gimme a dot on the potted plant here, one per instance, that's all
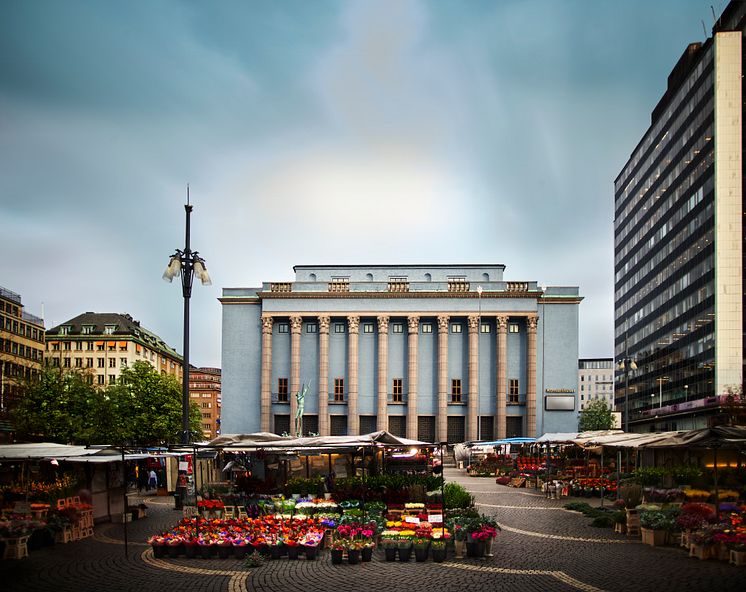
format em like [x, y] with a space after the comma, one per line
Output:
[390, 546]
[338, 547]
[654, 526]
[421, 548]
[438, 547]
[404, 549]
[240, 548]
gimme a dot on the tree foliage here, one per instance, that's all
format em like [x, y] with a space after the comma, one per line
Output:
[597, 415]
[144, 407]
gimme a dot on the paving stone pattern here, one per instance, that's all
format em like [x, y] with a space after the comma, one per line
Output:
[542, 547]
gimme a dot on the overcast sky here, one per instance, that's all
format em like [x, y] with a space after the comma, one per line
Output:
[319, 132]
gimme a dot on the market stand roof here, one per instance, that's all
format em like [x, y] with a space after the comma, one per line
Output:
[67, 452]
[267, 441]
[715, 437]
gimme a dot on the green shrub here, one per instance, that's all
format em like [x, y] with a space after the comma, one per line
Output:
[457, 497]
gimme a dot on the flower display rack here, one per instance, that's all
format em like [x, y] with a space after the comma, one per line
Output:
[16, 548]
[737, 557]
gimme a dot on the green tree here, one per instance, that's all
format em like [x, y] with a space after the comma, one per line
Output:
[597, 415]
[143, 408]
[53, 406]
[149, 404]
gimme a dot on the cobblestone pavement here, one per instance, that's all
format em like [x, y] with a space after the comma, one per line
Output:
[542, 547]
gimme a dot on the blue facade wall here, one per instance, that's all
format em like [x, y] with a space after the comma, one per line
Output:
[241, 365]
[557, 345]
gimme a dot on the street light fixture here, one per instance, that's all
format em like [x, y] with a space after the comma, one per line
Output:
[186, 263]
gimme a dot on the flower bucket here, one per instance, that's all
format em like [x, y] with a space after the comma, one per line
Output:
[204, 551]
[405, 553]
[275, 551]
[293, 552]
[175, 550]
[439, 555]
[159, 551]
[366, 554]
[390, 553]
[488, 547]
[475, 549]
[311, 551]
[353, 556]
[421, 553]
[190, 550]
[337, 556]
[224, 550]
[239, 551]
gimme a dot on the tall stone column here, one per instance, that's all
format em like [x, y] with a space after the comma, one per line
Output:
[531, 323]
[472, 404]
[443, 378]
[502, 378]
[412, 355]
[353, 419]
[266, 376]
[295, 327]
[324, 376]
[383, 373]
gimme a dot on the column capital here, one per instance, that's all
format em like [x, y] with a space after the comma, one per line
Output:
[324, 324]
[353, 324]
[443, 323]
[473, 323]
[267, 323]
[531, 323]
[502, 324]
[383, 324]
[295, 324]
[414, 324]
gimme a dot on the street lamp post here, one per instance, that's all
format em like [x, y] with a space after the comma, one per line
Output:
[479, 334]
[186, 263]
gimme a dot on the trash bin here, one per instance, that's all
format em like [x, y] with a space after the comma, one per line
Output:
[179, 498]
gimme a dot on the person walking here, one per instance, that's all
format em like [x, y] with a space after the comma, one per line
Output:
[152, 480]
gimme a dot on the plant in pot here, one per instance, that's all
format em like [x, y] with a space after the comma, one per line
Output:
[439, 550]
[338, 547]
[389, 543]
[421, 548]
[404, 545]
[654, 526]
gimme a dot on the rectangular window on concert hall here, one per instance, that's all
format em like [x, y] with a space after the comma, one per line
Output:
[339, 328]
[282, 390]
[455, 328]
[311, 328]
[397, 393]
[339, 389]
[456, 390]
[397, 328]
[513, 391]
[367, 327]
[513, 328]
[427, 327]
[282, 327]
